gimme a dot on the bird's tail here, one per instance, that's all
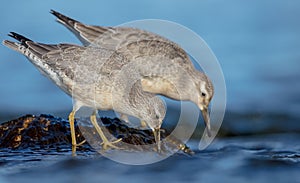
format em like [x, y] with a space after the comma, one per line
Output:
[66, 21]
[23, 42]
[87, 34]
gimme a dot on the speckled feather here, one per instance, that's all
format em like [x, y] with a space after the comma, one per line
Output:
[133, 43]
[78, 71]
[166, 70]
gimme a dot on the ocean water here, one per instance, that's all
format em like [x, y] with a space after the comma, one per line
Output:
[257, 44]
[269, 158]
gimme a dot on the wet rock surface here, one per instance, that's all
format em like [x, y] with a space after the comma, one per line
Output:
[49, 132]
[44, 131]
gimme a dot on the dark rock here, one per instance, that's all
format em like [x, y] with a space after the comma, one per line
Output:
[46, 131]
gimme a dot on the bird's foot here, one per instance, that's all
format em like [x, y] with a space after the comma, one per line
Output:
[74, 146]
[107, 144]
[81, 143]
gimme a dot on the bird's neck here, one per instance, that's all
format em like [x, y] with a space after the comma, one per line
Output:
[176, 86]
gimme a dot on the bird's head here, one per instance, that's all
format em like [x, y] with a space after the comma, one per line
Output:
[204, 94]
[156, 113]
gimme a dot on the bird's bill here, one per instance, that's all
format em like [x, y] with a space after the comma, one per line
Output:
[156, 133]
[206, 118]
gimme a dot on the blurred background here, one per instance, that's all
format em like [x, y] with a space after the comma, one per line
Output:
[256, 42]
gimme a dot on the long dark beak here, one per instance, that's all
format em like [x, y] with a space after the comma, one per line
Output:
[156, 133]
[206, 118]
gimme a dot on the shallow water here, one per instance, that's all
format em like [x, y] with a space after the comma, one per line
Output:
[269, 158]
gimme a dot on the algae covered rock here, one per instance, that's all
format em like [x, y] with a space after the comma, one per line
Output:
[46, 131]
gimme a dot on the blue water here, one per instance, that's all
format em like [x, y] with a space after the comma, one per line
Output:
[256, 42]
[260, 159]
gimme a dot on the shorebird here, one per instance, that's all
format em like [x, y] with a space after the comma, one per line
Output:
[77, 71]
[187, 84]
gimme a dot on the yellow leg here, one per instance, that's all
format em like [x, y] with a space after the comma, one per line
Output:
[106, 143]
[72, 128]
[73, 135]
[156, 133]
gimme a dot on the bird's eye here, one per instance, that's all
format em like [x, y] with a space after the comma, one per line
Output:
[203, 94]
[157, 117]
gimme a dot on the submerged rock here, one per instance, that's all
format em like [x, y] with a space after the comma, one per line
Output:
[46, 131]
